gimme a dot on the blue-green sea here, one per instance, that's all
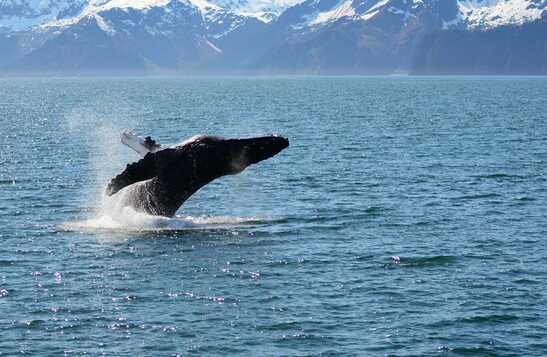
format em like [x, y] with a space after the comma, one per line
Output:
[408, 217]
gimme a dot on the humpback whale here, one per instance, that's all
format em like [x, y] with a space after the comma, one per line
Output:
[167, 176]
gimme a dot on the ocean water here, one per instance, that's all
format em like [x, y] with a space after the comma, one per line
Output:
[407, 218]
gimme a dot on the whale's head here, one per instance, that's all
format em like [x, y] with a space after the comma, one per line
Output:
[231, 156]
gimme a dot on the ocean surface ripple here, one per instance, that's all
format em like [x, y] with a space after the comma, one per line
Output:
[407, 218]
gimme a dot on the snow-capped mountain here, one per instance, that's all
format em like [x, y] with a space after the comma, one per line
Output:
[135, 35]
[340, 36]
[470, 14]
[156, 16]
[488, 14]
[353, 35]
[23, 14]
[379, 36]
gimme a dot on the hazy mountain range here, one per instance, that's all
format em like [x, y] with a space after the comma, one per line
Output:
[274, 36]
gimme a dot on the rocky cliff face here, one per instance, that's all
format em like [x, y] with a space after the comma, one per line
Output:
[503, 50]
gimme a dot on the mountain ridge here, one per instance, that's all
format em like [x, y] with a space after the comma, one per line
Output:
[312, 36]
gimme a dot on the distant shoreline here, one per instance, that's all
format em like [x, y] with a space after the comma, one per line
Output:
[248, 75]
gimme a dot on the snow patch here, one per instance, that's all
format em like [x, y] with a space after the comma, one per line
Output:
[204, 6]
[405, 14]
[265, 10]
[103, 5]
[215, 48]
[377, 6]
[103, 25]
[494, 13]
[345, 9]
[263, 16]
[369, 15]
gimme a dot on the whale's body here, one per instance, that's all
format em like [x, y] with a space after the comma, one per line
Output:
[165, 178]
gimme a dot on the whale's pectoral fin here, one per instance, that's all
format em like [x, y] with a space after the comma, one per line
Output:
[141, 145]
[146, 168]
[141, 170]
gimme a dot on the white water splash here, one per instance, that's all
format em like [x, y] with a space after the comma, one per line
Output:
[130, 220]
[101, 134]
[113, 215]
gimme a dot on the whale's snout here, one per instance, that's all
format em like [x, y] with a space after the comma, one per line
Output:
[258, 149]
[282, 142]
[250, 151]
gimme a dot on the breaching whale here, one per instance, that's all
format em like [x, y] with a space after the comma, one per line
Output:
[166, 177]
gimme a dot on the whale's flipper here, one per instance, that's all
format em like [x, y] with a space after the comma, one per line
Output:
[152, 165]
[141, 170]
[141, 145]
